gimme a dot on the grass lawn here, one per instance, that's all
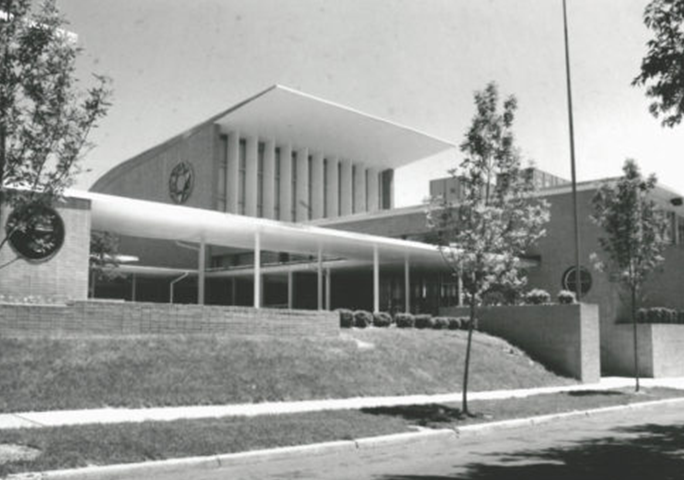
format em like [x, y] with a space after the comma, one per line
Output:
[70, 447]
[48, 374]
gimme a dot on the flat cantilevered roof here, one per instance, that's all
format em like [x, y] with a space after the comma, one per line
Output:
[305, 121]
[142, 218]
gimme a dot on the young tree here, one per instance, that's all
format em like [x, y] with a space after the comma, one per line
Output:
[497, 217]
[662, 69]
[104, 258]
[45, 118]
[634, 231]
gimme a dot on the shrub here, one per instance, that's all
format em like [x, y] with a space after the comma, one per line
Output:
[424, 320]
[566, 297]
[642, 315]
[362, 318]
[440, 323]
[659, 315]
[680, 317]
[537, 297]
[346, 317]
[455, 323]
[382, 319]
[494, 299]
[404, 320]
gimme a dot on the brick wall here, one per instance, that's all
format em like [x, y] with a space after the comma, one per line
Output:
[562, 337]
[65, 275]
[139, 318]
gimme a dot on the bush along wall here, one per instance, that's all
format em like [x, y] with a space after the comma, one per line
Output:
[659, 315]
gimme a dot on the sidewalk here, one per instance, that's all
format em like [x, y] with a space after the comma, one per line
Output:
[122, 415]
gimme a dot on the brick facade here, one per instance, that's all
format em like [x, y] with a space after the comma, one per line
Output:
[62, 277]
[88, 318]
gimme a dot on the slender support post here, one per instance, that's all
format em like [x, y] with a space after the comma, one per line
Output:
[407, 285]
[319, 272]
[578, 277]
[327, 288]
[257, 270]
[376, 280]
[201, 272]
[460, 288]
[290, 290]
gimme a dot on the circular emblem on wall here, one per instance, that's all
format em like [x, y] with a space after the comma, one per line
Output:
[181, 181]
[569, 280]
[35, 232]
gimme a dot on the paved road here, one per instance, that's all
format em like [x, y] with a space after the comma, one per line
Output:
[642, 444]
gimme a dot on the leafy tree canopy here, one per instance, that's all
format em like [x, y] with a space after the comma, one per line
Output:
[45, 117]
[662, 69]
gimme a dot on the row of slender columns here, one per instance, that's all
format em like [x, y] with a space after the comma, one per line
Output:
[349, 188]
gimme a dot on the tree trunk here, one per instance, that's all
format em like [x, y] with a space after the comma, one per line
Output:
[636, 344]
[466, 369]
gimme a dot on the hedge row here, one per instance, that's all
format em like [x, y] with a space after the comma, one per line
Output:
[363, 319]
[660, 315]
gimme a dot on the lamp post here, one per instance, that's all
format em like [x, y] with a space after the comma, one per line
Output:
[578, 276]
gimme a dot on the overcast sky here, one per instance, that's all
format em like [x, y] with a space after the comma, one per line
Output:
[415, 62]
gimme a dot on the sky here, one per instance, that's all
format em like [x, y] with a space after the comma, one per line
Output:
[415, 62]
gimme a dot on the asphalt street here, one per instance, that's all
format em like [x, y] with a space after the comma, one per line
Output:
[641, 444]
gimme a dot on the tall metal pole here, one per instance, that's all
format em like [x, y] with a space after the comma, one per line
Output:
[578, 277]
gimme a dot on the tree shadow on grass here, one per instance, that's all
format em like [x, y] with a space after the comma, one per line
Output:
[431, 415]
[652, 452]
[594, 393]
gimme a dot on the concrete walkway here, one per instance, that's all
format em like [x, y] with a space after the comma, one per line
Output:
[122, 415]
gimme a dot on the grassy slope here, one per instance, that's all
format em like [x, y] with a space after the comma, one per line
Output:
[45, 374]
[69, 447]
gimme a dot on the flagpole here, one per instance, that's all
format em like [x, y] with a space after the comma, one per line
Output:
[578, 277]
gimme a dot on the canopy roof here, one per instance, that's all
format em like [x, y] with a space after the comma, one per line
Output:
[141, 218]
[288, 115]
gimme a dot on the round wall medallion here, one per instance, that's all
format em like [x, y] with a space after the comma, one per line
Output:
[181, 181]
[35, 232]
[569, 280]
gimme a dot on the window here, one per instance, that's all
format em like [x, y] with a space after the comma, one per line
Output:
[221, 191]
[569, 280]
[276, 194]
[325, 187]
[293, 197]
[260, 179]
[242, 194]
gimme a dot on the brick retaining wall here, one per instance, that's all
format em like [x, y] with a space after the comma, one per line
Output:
[562, 337]
[138, 318]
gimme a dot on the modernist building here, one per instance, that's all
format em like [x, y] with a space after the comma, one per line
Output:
[286, 200]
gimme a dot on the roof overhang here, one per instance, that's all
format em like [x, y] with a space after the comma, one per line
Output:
[304, 121]
[141, 218]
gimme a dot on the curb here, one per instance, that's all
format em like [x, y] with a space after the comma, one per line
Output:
[217, 462]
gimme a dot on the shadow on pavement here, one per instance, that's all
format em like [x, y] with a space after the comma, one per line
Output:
[654, 452]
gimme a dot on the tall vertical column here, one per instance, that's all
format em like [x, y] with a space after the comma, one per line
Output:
[372, 180]
[319, 285]
[317, 186]
[285, 183]
[201, 271]
[376, 280]
[290, 290]
[268, 208]
[302, 207]
[328, 282]
[332, 188]
[346, 181]
[233, 172]
[359, 188]
[407, 285]
[257, 270]
[251, 177]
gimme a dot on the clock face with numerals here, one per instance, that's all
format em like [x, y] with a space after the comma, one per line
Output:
[181, 181]
[36, 232]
